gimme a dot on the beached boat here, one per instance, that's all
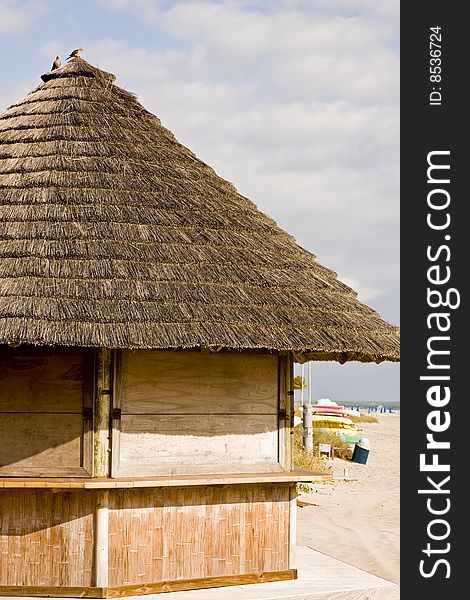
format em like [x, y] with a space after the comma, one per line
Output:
[333, 422]
[339, 418]
[334, 409]
[333, 419]
[337, 424]
[320, 409]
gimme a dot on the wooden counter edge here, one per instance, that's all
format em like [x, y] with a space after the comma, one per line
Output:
[173, 481]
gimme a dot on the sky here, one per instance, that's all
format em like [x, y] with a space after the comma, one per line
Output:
[296, 102]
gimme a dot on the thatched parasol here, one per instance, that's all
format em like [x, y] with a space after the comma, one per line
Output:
[113, 234]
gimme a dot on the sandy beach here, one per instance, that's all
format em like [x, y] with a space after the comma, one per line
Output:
[358, 520]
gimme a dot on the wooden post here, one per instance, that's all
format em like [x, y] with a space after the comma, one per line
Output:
[290, 408]
[101, 446]
[286, 411]
[101, 527]
[283, 431]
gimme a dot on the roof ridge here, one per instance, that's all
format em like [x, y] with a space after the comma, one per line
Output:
[78, 67]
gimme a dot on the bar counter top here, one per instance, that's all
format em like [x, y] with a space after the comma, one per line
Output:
[96, 483]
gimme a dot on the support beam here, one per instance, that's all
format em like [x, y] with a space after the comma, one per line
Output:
[101, 424]
[290, 407]
[286, 411]
[283, 430]
[101, 530]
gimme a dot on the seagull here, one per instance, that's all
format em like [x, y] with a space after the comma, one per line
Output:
[56, 64]
[76, 53]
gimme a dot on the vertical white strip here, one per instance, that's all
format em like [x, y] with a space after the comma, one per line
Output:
[309, 382]
[101, 539]
[292, 526]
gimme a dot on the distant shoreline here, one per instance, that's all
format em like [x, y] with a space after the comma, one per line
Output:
[364, 406]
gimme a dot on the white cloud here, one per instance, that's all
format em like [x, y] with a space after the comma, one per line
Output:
[383, 8]
[387, 8]
[221, 26]
[144, 9]
[16, 16]
[334, 56]
[137, 64]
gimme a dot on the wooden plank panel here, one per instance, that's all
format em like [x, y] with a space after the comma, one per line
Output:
[115, 414]
[41, 379]
[160, 382]
[186, 533]
[46, 539]
[38, 440]
[163, 444]
[88, 402]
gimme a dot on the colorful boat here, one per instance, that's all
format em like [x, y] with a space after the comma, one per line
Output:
[334, 409]
[337, 424]
[327, 411]
[333, 422]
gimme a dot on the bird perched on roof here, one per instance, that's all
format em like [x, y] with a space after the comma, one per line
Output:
[56, 64]
[76, 53]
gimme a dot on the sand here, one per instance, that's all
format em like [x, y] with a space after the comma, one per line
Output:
[358, 521]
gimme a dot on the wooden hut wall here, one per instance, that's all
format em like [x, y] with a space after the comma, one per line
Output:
[45, 412]
[191, 412]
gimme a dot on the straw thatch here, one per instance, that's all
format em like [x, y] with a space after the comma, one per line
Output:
[113, 234]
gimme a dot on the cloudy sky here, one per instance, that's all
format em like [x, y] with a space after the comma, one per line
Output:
[294, 101]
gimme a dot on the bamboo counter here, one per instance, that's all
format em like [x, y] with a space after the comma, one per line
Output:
[103, 538]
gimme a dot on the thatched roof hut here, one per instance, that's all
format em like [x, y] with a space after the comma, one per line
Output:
[113, 234]
[149, 320]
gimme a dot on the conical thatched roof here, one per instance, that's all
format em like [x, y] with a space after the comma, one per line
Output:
[114, 234]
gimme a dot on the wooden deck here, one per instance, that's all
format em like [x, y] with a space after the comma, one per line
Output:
[320, 577]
